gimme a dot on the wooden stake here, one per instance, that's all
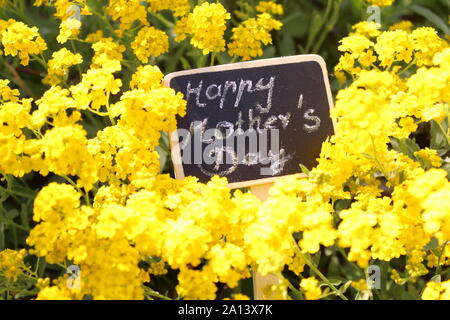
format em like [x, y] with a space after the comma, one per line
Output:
[260, 281]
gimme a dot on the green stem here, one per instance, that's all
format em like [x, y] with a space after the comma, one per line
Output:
[11, 6]
[75, 51]
[354, 266]
[86, 198]
[379, 164]
[154, 294]
[163, 20]
[439, 267]
[40, 60]
[296, 292]
[443, 131]
[233, 60]
[408, 67]
[311, 265]
[111, 118]
[12, 223]
[17, 193]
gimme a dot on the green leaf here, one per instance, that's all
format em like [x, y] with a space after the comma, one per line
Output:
[305, 170]
[314, 28]
[446, 167]
[11, 214]
[437, 278]
[287, 46]
[432, 17]
[294, 25]
[334, 282]
[342, 204]
[24, 217]
[438, 140]
[316, 258]
[411, 146]
[364, 295]
[397, 292]
[185, 63]
[2, 236]
[345, 286]
[162, 158]
[405, 146]
[368, 156]
[433, 244]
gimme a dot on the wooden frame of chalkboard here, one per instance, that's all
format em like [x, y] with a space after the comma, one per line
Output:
[174, 138]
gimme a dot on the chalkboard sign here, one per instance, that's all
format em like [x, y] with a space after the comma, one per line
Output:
[252, 121]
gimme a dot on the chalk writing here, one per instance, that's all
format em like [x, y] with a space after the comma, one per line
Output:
[250, 123]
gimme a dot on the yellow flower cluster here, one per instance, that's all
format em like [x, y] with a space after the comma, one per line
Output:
[206, 25]
[150, 42]
[179, 7]
[58, 66]
[11, 263]
[6, 93]
[68, 29]
[311, 288]
[270, 7]
[126, 12]
[351, 164]
[65, 9]
[20, 40]
[381, 3]
[437, 291]
[369, 46]
[248, 37]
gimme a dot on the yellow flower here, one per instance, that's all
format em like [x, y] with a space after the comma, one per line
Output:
[147, 78]
[396, 277]
[228, 262]
[426, 44]
[95, 36]
[53, 293]
[381, 3]
[11, 263]
[270, 7]
[311, 288]
[6, 93]
[196, 284]
[23, 41]
[404, 25]
[361, 285]
[206, 25]
[58, 66]
[250, 35]
[394, 46]
[178, 7]
[430, 156]
[126, 12]
[181, 29]
[150, 42]
[367, 29]
[437, 291]
[69, 28]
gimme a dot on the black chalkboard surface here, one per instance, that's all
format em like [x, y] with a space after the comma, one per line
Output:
[252, 121]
